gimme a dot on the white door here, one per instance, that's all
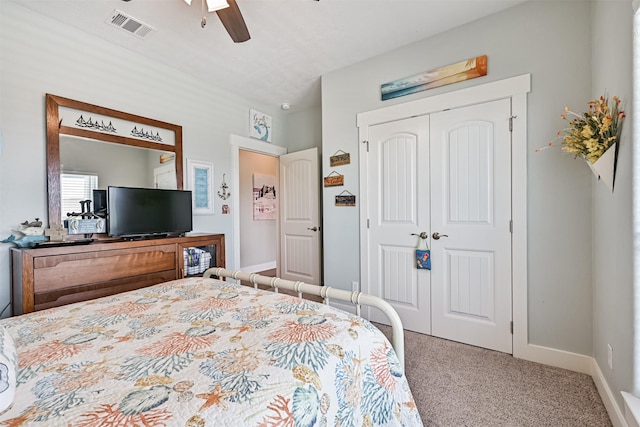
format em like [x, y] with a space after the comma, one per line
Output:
[446, 173]
[398, 210]
[471, 205]
[300, 234]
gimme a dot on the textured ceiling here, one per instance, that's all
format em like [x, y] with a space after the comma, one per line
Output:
[293, 42]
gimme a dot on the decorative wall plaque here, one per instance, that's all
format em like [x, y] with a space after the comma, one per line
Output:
[345, 199]
[333, 179]
[339, 159]
[454, 73]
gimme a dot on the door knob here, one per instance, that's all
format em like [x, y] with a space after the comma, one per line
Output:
[422, 235]
[313, 228]
[437, 236]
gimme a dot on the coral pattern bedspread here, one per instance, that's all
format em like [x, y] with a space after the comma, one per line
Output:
[203, 352]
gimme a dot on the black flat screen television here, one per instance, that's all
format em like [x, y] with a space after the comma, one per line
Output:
[148, 212]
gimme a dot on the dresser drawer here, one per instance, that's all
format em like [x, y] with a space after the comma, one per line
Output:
[68, 295]
[48, 277]
[57, 272]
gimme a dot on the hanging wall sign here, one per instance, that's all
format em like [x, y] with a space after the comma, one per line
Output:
[339, 158]
[345, 199]
[334, 179]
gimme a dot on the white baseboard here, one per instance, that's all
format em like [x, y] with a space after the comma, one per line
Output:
[631, 409]
[586, 365]
[258, 267]
[558, 358]
[607, 396]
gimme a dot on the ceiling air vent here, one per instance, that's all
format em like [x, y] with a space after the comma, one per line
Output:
[129, 24]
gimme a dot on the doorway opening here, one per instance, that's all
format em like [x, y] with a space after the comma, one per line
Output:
[298, 231]
[258, 213]
[258, 148]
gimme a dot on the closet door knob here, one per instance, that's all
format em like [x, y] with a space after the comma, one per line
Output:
[437, 236]
[313, 228]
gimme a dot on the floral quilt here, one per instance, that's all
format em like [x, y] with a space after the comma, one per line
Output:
[203, 352]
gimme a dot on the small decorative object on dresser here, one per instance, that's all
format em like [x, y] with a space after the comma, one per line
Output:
[29, 234]
[56, 233]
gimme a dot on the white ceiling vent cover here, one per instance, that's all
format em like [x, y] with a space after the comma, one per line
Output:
[129, 24]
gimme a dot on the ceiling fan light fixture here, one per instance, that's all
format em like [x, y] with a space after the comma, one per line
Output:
[213, 5]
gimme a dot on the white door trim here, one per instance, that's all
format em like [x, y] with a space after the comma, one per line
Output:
[243, 143]
[515, 88]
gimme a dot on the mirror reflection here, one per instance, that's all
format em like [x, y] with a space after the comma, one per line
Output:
[87, 164]
[86, 159]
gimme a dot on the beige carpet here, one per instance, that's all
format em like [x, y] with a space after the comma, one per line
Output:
[460, 385]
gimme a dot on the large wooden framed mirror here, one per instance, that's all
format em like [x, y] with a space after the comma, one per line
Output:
[91, 147]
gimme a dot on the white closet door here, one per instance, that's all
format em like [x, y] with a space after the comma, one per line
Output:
[471, 205]
[398, 206]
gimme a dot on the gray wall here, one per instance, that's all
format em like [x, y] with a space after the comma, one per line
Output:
[612, 24]
[39, 56]
[115, 164]
[258, 239]
[304, 129]
[550, 40]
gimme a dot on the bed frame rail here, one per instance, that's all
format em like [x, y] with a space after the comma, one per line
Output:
[327, 293]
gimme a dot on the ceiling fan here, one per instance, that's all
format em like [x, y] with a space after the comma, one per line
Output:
[230, 16]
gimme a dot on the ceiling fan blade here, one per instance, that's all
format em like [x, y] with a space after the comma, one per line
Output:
[233, 21]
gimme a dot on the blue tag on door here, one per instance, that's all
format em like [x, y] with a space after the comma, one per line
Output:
[423, 259]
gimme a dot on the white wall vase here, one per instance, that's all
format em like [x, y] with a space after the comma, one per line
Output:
[605, 167]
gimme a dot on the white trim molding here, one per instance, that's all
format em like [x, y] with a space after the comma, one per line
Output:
[259, 267]
[516, 88]
[608, 397]
[631, 409]
[243, 143]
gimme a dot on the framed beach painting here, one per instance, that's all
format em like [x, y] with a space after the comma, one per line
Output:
[449, 74]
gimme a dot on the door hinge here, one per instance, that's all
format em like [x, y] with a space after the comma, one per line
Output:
[511, 122]
[511, 226]
[512, 327]
[367, 222]
[366, 142]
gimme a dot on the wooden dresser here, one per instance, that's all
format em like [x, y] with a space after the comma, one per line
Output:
[49, 277]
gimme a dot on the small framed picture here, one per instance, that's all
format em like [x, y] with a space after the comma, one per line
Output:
[200, 182]
[260, 125]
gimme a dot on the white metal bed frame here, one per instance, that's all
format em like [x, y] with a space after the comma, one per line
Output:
[327, 293]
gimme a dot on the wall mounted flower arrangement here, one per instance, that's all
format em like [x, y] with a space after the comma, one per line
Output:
[594, 136]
